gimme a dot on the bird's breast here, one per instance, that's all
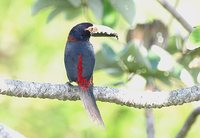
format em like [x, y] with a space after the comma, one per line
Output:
[79, 61]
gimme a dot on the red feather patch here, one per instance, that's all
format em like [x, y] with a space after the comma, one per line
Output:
[82, 82]
[71, 39]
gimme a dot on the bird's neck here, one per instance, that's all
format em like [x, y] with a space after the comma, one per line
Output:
[74, 38]
[71, 38]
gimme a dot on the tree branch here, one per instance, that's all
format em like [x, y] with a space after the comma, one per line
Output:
[178, 17]
[105, 94]
[189, 122]
[6, 132]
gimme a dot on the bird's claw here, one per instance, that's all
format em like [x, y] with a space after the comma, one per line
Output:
[68, 83]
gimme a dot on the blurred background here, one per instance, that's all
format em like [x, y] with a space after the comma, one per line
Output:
[152, 53]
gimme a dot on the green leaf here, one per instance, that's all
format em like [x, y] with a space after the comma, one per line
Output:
[135, 57]
[192, 54]
[58, 6]
[195, 36]
[126, 8]
[107, 60]
[166, 62]
[114, 71]
[110, 15]
[53, 14]
[128, 58]
[72, 13]
[75, 3]
[105, 57]
[175, 44]
[154, 60]
[110, 19]
[108, 52]
[41, 4]
[97, 8]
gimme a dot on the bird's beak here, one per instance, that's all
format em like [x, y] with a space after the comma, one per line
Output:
[100, 30]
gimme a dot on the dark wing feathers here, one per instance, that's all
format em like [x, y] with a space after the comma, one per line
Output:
[70, 63]
[88, 61]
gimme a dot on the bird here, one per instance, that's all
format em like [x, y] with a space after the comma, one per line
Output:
[79, 60]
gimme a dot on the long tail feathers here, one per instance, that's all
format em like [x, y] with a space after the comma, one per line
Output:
[88, 99]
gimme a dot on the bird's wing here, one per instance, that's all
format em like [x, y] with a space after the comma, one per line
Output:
[88, 62]
[71, 61]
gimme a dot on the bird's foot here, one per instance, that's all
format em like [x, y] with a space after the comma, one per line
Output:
[68, 83]
[71, 87]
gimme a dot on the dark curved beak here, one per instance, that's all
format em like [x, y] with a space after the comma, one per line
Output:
[101, 31]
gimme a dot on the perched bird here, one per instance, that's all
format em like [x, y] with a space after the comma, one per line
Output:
[79, 59]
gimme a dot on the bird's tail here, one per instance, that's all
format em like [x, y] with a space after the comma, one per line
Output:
[88, 99]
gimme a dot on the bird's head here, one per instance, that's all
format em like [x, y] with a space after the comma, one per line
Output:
[83, 31]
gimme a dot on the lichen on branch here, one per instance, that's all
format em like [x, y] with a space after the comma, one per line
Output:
[120, 96]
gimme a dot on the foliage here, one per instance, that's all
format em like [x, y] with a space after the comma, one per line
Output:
[102, 9]
[154, 63]
[195, 36]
